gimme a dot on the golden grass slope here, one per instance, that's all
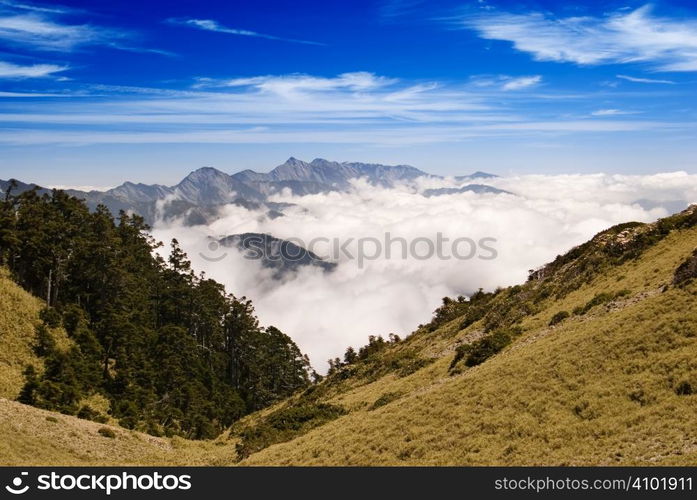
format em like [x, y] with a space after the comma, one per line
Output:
[30, 436]
[598, 389]
[19, 313]
[19, 317]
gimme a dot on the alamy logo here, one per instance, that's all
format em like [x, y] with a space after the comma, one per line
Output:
[17, 488]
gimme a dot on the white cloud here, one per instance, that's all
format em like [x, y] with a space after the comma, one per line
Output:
[40, 32]
[610, 112]
[9, 70]
[645, 80]
[505, 82]
[666, 44]
[34, 8]
[374, 135]
[522, 82]
[42, 28]
[357, 108]
[292, 84]
[325, 313]
[215, 26]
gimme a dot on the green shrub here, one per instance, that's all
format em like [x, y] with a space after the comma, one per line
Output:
[598, 299]
[88, 413]
[684, 388]
[44, 344]
[479, 351]
[601, 298]
[107, 433]
[50, 317]
[51, 419]
[559, 317]
[385, 399]
[686, 271]
[285, 424]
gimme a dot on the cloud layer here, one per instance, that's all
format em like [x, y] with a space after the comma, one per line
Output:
[666, 44]
[349, 108]
[325, 313]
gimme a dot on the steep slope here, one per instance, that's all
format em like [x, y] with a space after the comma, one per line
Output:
[16, 335]
[19, 318]
[31, 436]
[591, 362]
[615, 382]
[208, 186]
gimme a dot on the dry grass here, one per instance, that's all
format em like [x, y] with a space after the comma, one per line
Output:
[19, 316]
[31, 436]
[596, 389]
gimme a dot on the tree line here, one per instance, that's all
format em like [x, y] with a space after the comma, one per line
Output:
[171, 351]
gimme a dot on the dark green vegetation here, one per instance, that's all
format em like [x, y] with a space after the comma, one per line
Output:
[559, 317]
[687, 271]
[385, 399]
[283, 425]
[480, 350]
[170, 351]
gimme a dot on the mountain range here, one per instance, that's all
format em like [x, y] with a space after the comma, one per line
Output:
[198, 196]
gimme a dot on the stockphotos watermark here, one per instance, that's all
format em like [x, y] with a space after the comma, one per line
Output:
[361, 249]
[99, 483]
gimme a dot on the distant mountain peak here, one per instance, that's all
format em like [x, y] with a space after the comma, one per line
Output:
[206, 171]
[293, 161]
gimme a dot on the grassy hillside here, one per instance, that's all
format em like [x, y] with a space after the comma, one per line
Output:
[19, 318]
[593, 361]
[31, 436]
[611, 385]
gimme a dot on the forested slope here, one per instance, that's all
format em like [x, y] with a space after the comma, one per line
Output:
[150, 344]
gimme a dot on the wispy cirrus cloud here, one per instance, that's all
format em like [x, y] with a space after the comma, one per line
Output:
[645, 80]
[523, 82]
[45, 29]
[506, 82]
[298, 83]
[37, 31]
[35, 8]
[611, 112]
[16, 71]
[399, 8]
[664, 43]
[215, 26]
[349, 108]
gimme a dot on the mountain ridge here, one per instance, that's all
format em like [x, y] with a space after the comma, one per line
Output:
[207, 187]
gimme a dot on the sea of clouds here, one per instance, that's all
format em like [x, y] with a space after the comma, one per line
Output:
[324, 312]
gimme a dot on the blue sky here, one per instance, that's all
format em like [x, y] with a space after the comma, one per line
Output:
[98, 92]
